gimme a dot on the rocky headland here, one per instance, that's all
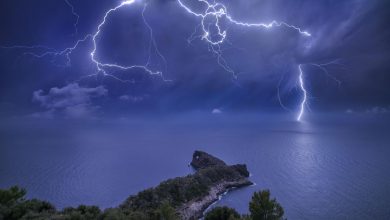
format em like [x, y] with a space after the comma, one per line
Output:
[180, 198]
[191, 195]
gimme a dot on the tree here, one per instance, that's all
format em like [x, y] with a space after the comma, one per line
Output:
[113, 214]
[263, 208]
[222, 213]
[12, 195]
[166, 212]
[82, 212]
[13, 205]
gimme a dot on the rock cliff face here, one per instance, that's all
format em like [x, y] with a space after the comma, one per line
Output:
[202, 159]
[192, 194]
[205, 163]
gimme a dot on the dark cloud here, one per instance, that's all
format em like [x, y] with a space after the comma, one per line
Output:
[353, 32]
[70, 101]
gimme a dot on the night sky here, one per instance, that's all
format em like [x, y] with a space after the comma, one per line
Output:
[352, 36]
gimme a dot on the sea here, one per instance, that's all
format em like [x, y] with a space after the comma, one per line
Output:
[327, 166]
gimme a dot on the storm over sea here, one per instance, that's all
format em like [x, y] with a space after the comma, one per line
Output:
[330, 166]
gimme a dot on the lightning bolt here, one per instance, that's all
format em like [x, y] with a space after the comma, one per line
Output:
[304, 92]
[278, 95]
[219, 11]
[27, 47]
[48, 51]
[75, 15]
[152, 42]
[216, 12]
[101, 67]
[323, 68]
[212, 32]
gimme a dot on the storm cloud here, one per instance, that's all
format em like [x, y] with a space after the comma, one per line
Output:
[353, 34]
[70, 101]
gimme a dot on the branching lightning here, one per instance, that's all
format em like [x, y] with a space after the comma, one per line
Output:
[64, 53]
[152, 42]
[77, 16]
[217, 12]
[212, 31]
[323, 68]
[102, 67]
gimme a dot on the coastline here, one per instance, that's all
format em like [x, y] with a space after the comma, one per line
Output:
[187, 197]
[196, 209]
[191, 195]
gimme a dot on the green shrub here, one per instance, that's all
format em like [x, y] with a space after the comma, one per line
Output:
[263, 208]
[222, 213]
[166, 212]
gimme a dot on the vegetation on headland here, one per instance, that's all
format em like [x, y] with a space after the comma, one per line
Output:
[182, 190]
[15, 206]
[179, 198]
[261, 207]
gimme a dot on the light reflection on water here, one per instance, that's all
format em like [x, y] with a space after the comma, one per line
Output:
[319, 169]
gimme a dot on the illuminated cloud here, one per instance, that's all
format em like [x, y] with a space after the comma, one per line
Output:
[264, 55]
[217, 111]
[71, 100]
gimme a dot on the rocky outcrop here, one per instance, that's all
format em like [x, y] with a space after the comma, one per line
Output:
[179, 198]
[202, 160]
[191, 195]
[204, 163]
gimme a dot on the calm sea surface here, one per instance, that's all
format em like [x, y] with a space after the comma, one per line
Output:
[329, 167]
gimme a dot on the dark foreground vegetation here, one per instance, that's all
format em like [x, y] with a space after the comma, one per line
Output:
[179, 198]
[261, 207]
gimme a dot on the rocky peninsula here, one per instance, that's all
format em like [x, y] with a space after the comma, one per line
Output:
[191, 195]
[179, 198]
